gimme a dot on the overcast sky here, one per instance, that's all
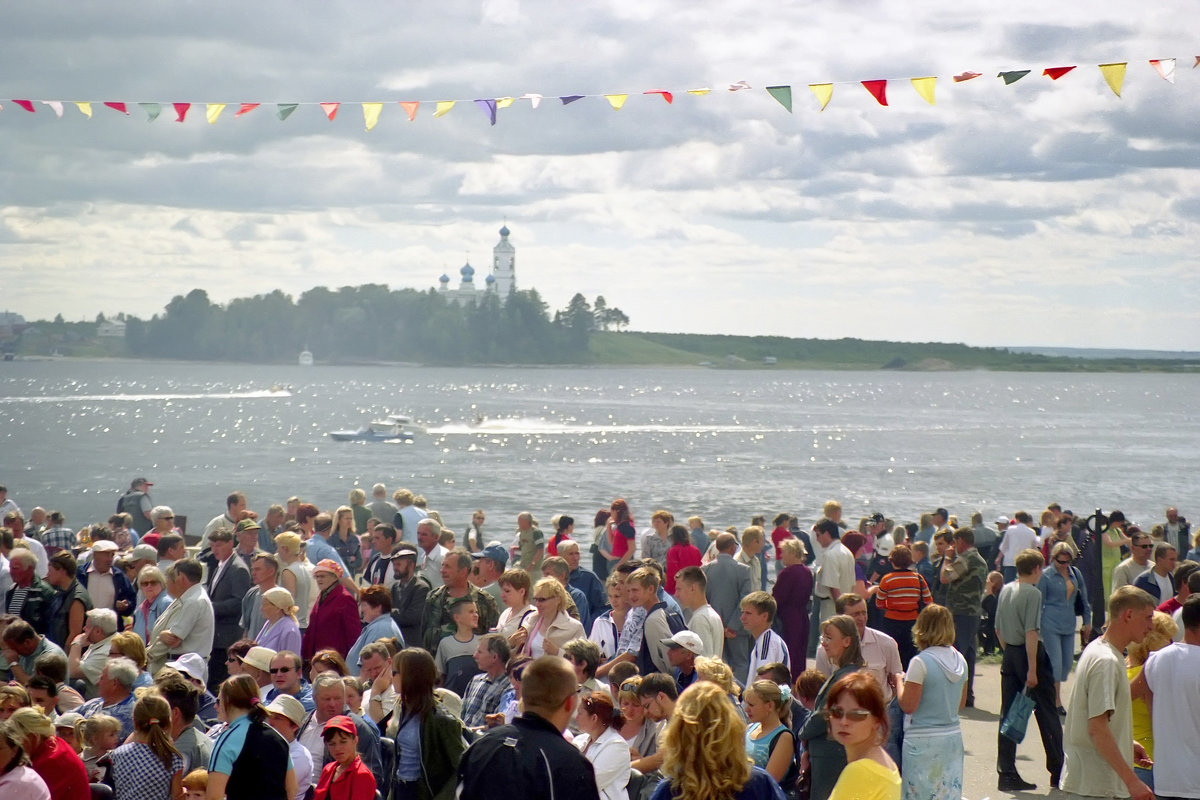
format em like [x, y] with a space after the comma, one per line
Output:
[1041, 213]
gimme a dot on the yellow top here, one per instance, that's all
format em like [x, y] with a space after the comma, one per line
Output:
[867, 779]
[1143, 734]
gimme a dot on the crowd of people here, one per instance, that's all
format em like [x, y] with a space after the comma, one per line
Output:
[373, 651]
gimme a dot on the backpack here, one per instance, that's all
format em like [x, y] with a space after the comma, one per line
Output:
[674, 622]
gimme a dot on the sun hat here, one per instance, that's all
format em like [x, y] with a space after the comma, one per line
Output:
[287, 706]
[191, 664]
[259, 658]
[330, 566]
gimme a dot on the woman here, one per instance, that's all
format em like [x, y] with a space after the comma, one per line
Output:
[249, 760]
[854, 542]
[128, 644]
[682, 553]
[52, 758]
[550, 627]
[334, 621]
[375, 610]
[639, 731]
[1161, 634]
[327, 661]
[770, 742]
[1117, 535]
[514, 593]
[280, 630]
[18, 780]
[12, 697]
[345, 539]
[1059, 587]
[563, 529]
[164, 520]
[714, 670]
[858, 717]
[793, 591]
[600, 742]
[148, 767]
[704, 752]
[824, 756]
[362, 514]
[934, 692]
[294, 574]
[155, 600]
[900, 596]
[780, 533]
[606, 630]
[1062, 533]
[621, 533]
[601, 545]
[429, 740]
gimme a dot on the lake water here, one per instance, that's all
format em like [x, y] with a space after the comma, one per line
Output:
[722, 444]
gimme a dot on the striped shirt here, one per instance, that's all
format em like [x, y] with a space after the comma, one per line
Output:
[901, 594]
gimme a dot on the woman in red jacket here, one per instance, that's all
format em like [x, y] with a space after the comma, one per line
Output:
[682, 553]
[52, 758]
[344, 777]
[334, 621]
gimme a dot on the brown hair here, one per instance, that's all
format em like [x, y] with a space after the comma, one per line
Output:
[378, 597]
[600, 705]
[901, 556]
[866, 692]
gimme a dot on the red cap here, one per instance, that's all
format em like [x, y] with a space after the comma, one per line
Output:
[340, 723]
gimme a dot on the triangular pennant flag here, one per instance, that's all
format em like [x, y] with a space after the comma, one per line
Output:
[489, 107]
[85, 108]
[823, 92]
[1196, 63]
[212, 111]
[1054, 73]
[371, 112]
[116, 105]
[670, 98]
[1114, 76]
[1013, 76]
[246, 108]
[924, 87]
[534, 99]
[1165, 67]
[878, 90]
[443, 107]
[739, 86]
[56, 105]
[25, 104]
[570, 98]
[181, 111]
[616, 100]
[285, 110]
[505, 102]
[699, 92]
[152, 110]
[330, 109]
[966, 76]
[783, 94]
[410, 107]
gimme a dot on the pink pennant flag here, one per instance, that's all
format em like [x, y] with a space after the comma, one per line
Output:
[25, 104]
[1054, 73]
[181, 110]
[410, 108]
[1165, 67]
[670, 98]
[246, 109]
[739, 86]
[966, 76]
[330, 110]
[116, 105]
[55, 105]
[878, 90]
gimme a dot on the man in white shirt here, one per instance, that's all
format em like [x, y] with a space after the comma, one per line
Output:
[1018, 536]
[235, 504]
[835, 576]
[188, 624]
[6, 504]
[432, 553]
[286, 715]
[1170, 684]
[89, 650]
[1140, 548]
[691, 586]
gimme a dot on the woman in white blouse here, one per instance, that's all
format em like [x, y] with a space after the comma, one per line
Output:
[603, 745]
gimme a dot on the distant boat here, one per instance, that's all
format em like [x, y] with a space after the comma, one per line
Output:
[306, 358]
[392, 428]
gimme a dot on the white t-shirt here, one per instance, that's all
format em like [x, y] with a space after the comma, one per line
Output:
[302, 763]
[1173, 674]
[1017, 537]
[837, 570]
[1101, 687]
[706, 623]
[1165, 590]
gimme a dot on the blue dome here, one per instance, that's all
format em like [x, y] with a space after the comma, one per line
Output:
[504, 231]
[467, 271]
[490, 279]
[444, 279]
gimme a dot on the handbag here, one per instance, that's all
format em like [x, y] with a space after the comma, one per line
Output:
[1078, 578]
[1017, 719]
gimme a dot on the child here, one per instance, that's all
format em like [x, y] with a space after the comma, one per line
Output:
[758, 612]
[99, 734]
[64, 728]
[149, 767]
[691, 585]
[456, 654]
[195, 785]
[987, 628]
[354, 694]
[344, 777]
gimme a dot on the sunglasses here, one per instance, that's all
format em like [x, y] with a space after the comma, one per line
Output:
[631, 685]
[1063, 560]
[855, 715]
[280, 670]
[542, 599]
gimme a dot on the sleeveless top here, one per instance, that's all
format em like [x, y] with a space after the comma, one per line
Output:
[939, 695]
[300, 596]
[760, 749]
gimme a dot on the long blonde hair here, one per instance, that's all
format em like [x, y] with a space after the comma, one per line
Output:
[704, 745]
[1160, 635]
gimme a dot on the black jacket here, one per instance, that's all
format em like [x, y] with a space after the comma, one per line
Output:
[528, 759]
[408, 607]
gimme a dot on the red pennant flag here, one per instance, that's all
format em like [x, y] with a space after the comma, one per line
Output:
[966, 76]
[410, 107]
[246, 109]
[665, 94]
[878, 90]
[330, 110]
[25, 104]
[1054, 73]
[117, 106]
[181, 110]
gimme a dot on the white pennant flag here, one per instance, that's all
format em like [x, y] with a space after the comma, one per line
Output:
[534, 99]
[1165, 67]
[54, 104]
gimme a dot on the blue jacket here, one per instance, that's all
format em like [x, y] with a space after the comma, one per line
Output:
[122, 588]
[1058, 614]
[1146, 582]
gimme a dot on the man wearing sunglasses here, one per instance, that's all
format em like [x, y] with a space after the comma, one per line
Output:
[1141, 547]
[287, 678]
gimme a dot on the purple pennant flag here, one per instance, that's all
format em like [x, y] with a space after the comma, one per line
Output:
[571, 98]
[489, 107]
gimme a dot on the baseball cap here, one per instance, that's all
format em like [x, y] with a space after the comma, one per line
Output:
[884, 543]
[287, 706]
[140, 482]
[404, 550]
[144, 552]
[1002, 520]
[876, 518]
[259, 658]
[687, 640]
[67, 720]
[340, 723]
[495, 552]
[190, 664]
[105, 546]
[247, 525]
[941, 512]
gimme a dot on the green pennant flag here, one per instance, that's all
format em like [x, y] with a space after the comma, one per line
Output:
[152, 110]
[1012, 77]
[783, 94]
[284, 110]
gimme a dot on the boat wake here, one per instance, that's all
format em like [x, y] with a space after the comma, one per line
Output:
[94, 398]
[534, 426]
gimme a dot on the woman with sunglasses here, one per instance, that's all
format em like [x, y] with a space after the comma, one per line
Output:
[550, 627]
[824, 755]
[858, 720]
[600, 742]
[1062, 588]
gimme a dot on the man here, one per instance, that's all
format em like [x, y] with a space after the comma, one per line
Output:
[1182, 590]
[378, 570]
[473, 535]
[557, 568]
[1159, 581]
[375, 660]
[194, 670]
[682, 649]
[530, 758]
[188, 624]
[89, 650]
[272, 524]
[246, 535]
[964, 573]
[642, 587]
[329, 694]
[64, 617]
[55, 535]
[115, 694]
[23, 645]
[727, 583]
[256, 662]
[531, 544]
[1178, 531]
[407, 515]
[1170, 684]
[6, 503]
[30, 597]
[657, 695]
[36, 525]
[228, 582]
[1018, 536]
[438, 622]
[943, 543]
[1140, 549]
[52, 664]
[940, 516]
[584, 580]
[380, 507]
[758, 612]
[184, 699]
[835, 575]
[136, 503]
[409, 592]
[286, 716]
[264, 574]
[1099, 734]
[171, 548]
[1026, 666]
[432, 553]
[491, 563]
[691, 586]
[235, 504]
[985, 538]
[287, 678]
[485, 689]
[108, 587]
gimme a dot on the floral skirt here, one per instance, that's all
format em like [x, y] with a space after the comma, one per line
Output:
[933, 764]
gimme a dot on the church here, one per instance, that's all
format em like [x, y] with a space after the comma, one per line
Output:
[500, 281]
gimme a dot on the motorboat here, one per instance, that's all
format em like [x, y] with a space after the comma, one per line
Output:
[392, 428]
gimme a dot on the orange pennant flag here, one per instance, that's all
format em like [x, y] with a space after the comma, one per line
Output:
[966, 76]
[246, 109]
[410, 108]
[878, 90]
[330, 109]
[823, 91]
[670, 98]
[924, 87]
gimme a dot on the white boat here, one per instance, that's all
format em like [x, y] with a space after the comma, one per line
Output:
[306, 358]
[392, 428]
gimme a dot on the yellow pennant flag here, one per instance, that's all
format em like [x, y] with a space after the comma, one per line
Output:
[85, 108]
[371, 113]
[823, 91]
[443, 107]
[616, 100]
[212, 111]
[699, 92]
[505, 102]
[924, 87]
[1114, 76]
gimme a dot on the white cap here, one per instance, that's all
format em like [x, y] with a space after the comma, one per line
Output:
[105, 546]
[191, 664]
[687, 640]
[288, 706]
[1002, 520]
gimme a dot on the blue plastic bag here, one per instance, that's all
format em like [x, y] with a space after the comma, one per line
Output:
[1017, 719]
